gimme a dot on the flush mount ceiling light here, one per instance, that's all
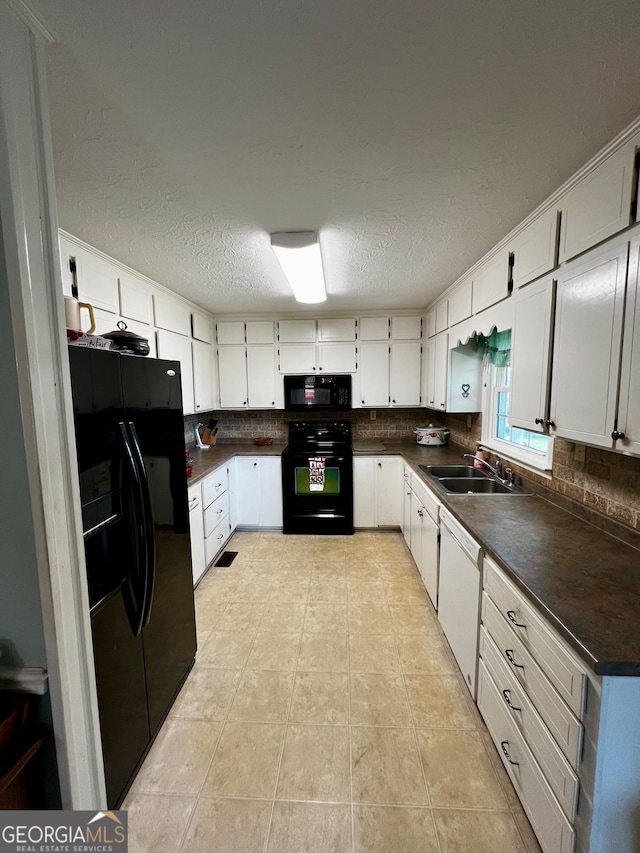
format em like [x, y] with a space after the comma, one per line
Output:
[299, 255]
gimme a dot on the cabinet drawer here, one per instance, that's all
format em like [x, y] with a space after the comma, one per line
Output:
[214, 513]
[214, 485]
[553, 831]
[216, 539]
[555, 767]
[546, 647]
[558, 718]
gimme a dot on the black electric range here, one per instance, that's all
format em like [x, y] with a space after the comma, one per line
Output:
[317, 478]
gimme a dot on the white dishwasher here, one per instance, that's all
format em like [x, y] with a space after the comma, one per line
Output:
[459, 594]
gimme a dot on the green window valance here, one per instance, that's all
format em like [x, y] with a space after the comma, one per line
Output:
[496, 348]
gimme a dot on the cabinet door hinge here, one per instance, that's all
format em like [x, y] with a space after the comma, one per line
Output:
[73, 269]
[512, 260]
[420, 332]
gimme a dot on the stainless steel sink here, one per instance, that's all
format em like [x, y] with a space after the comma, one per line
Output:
[473, 486]
[468, 480]
[453, 471]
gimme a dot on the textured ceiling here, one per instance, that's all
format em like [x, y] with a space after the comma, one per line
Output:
[412, 134]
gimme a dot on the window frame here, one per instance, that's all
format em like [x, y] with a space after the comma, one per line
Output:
[540, 463]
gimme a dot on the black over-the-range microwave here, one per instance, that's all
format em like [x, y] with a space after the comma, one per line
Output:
[317, 393]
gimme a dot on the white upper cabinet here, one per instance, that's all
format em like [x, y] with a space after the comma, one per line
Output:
[135, 299]
[230, 332]
[460, 302]
[586, 349]
[202, 327]
[97, 281]
[431, 324]
[336, 330]
[491, 282]
[232, 377]
[406, 328]
[437, 370]
[600, 205]
[531, 356]
[336, 358]
[629, 407]
[464, 380]
[297, 358]
[373, 374]
[261, 377]
[260, 332]
[296, 331]
[172, 314]
[404, 373]
[178, 348]
[442, 317]
[203, 387]
[373, 328]
[534, 249]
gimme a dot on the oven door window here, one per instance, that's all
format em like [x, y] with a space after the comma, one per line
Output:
[331, 482]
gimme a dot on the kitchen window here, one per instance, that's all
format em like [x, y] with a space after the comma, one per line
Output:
[531, 449]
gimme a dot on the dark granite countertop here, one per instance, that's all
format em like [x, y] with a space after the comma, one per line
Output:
[206, 460]
[584, 581]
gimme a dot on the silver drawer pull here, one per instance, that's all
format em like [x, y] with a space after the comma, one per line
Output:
[507, 699]
[503, 745]
[511, 615]
[217, 486]
[219, 512]
[510, 658]
[221, 536]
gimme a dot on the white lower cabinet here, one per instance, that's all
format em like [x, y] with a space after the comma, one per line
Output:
[196, 531]
[424, 533]
[216, 518]
[257, 492]
[531, 693]
[406, 505]
[377, 491]
[551, 826]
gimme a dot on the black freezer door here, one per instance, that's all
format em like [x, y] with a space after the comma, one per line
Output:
[153, 403]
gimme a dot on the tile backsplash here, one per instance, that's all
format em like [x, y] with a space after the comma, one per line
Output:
[239, 426]
[605, 481]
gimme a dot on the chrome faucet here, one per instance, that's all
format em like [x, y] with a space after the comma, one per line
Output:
[497, 471]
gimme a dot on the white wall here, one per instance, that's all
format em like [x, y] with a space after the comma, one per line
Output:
[21, 629]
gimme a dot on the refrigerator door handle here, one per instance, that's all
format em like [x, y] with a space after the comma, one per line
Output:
[149, 527]
[134, 603]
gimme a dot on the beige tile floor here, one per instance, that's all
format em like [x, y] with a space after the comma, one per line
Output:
[324, 714]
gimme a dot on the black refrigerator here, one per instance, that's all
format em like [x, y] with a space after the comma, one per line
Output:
[133, 488]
